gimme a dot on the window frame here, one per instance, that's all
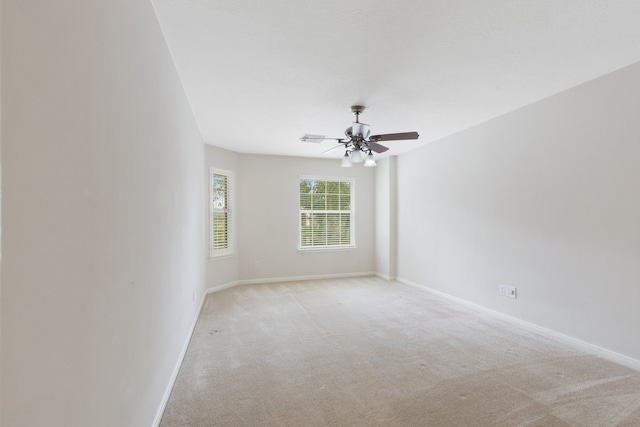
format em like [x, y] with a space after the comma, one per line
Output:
[352, 212]
[230, 250]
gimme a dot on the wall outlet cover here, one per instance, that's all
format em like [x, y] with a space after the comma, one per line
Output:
[509, 291]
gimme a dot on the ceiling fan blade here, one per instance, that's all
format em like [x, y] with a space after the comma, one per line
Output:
[395, 136]
[318, 138]
[312, 138]
[374, 146]
[333, 148]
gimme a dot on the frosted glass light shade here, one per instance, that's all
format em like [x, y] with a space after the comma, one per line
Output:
[346, 162]
[370, 161]
[356, 157]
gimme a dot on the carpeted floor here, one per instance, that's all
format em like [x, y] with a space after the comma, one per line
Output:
[367, 352]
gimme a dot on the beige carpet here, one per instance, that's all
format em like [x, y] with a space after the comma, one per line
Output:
[367, 352]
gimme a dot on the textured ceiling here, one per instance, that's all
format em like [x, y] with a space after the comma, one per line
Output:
[260, 74]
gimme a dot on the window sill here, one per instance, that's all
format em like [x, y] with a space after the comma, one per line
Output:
[222, 256]
[326, 249]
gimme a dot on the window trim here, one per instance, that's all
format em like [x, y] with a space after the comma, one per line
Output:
[230, 250]
[352, 211]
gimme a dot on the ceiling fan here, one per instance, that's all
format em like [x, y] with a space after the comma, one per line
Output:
[359, 140]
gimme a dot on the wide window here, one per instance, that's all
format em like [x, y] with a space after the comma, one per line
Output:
[221, 213]
[326, 213]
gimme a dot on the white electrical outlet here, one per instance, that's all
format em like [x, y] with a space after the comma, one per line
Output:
[509, 291]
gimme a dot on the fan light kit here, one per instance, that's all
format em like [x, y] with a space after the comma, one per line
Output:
[359, 144]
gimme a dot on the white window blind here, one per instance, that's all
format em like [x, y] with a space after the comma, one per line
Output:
[221, 213]
[326, 212]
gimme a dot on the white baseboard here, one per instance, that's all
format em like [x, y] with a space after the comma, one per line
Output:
[287, 279]
[183, 351]
[176, 369]
[549, 333]
[222, 287]
[384, 276]
[301, 278]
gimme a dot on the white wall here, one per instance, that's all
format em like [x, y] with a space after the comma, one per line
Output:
[544, 199]
[268, 203]
[267, 220]
[386, 218]
[102, 188]
[220, 271]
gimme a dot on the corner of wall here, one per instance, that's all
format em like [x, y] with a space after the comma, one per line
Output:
[386, 230]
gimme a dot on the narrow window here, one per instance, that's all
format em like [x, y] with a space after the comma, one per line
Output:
[326, 213]
[221, 213]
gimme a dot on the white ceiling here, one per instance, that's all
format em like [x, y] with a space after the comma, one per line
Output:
[260, 74]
